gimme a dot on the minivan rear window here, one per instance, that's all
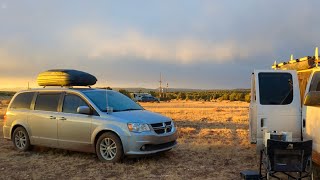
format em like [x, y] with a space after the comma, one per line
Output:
[22, 101]
[275, 88]
[47, 102]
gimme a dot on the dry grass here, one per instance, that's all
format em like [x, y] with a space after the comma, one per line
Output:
[4, 101]
[213, 144]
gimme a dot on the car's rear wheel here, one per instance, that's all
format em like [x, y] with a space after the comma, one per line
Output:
[20, 139]
[109, 148]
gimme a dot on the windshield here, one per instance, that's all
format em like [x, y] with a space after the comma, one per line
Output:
[116, 100]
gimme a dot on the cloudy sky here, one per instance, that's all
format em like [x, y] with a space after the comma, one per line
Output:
[195, 44]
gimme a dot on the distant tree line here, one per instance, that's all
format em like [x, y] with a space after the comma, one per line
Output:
[125, 92]
[232, 95]
[7, 93]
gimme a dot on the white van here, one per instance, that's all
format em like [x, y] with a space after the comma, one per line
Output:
[287, 99]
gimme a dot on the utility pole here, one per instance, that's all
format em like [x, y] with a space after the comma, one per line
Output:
[160, 87]
[167, 90]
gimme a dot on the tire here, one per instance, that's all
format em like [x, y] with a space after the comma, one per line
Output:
[20, 139]
[109, 148]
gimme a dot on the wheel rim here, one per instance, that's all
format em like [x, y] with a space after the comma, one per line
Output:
[108, 148]
[20, 139]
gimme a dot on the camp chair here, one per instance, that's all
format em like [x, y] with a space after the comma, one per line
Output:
[293, 159]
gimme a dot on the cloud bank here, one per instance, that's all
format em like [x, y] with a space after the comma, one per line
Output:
[106, 43]
[203, 44]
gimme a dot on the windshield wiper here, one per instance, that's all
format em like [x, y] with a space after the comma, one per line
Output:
[115, 110]
[131, 109]
[112, 110]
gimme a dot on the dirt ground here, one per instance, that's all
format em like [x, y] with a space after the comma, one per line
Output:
[213, 144]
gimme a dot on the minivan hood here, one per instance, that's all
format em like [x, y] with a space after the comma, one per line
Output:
[140, 116]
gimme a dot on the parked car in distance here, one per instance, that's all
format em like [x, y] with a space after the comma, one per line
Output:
[144, 97]
[149, 99]
[104, 122]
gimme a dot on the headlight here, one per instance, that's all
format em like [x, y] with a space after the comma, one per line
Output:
[138, 127]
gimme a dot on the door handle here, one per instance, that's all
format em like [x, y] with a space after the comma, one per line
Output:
[52, 117]
[262, 122]
[62, 118]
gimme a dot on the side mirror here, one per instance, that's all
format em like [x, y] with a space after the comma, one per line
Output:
[84, 110]
[312, 99]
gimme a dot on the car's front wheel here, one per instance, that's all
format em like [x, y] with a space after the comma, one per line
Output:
[20, 139]
[109, 148]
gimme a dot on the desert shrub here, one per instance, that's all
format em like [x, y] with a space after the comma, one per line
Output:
[189, 97]
[154, 94]
[181, 96]
[125, 92]
[233, 97]
[240, 97]
[225, 97]
[247, 97]
[171, 96]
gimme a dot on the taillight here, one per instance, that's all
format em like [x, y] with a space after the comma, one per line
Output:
[4, 118]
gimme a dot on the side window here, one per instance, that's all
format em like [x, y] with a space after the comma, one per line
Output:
[275, 88]
[315, 82]
[72, 102]
[22, 101]
[47, 102]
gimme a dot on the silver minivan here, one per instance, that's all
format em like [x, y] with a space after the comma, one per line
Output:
[105, 122]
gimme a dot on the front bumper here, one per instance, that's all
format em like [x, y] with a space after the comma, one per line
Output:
[6, 132]
[150, 143]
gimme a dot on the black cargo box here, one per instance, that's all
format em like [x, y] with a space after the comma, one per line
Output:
[65, 77]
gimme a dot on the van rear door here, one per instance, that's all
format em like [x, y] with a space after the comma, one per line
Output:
[278, 105]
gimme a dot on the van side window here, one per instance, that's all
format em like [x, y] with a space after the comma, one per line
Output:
[22, 101]
[71, 103]
[315, 82]
[275, 88]
[47, 102]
